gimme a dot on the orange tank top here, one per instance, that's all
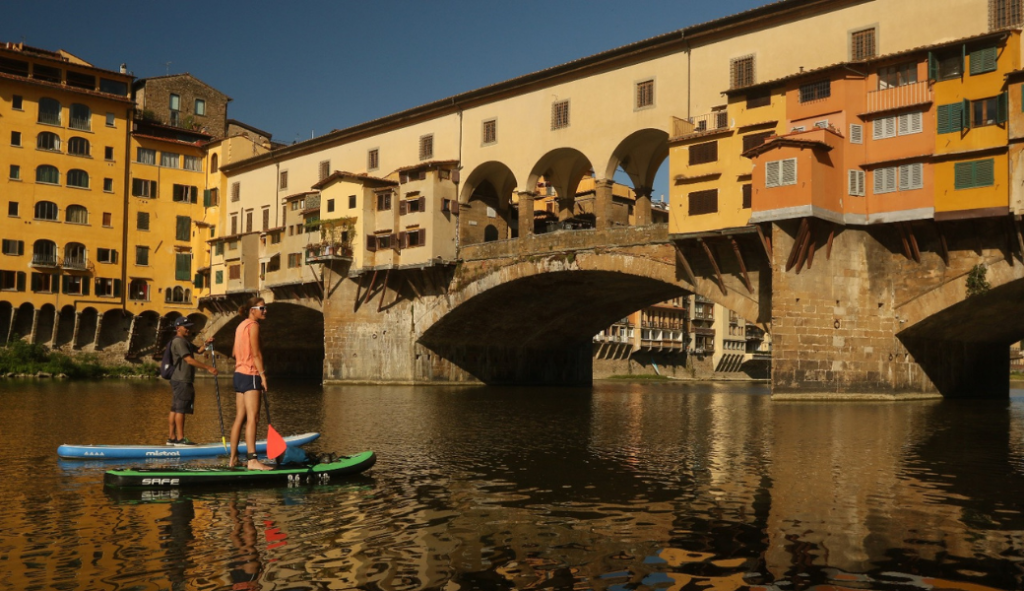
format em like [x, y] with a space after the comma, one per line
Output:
[244, 362]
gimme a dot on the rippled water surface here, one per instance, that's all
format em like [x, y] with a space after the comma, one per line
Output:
[708, 487]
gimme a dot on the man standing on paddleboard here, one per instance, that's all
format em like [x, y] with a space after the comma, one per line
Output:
[183, 391]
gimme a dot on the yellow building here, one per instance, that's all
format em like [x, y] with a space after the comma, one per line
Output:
[64, 152]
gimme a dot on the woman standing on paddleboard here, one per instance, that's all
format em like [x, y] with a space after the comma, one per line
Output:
[250, 380]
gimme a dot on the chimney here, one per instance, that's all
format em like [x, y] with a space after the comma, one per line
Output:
[124, 68]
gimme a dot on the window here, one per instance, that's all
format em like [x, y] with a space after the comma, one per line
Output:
[862, 44]
[413, 238]
[175, 102]
[219, 277]
[970, 175]
[910, 123]
[911, 176]
[200, 107]
[13, 247]
[779, 173]
[108, 287]
[169, 159]
[703, 202]
[144, 188]
[754, 140]
[351, 201]
[490, 132]
[108, 220]
[47, 174]
[899, 75]
[884, 128]
[294, 260]
[945, 66]
[282, 182]
[248, 221]
[182, 267]
[330, 205]
[44, 283]
[49, 111]
[950, 118]
[236, 192]
[142, 256]
[815, 91]
[145, 156]
[645, 94]
[110, 120]
[12, 208]
[76, 214]
[266, 217]
[12, 281]
[415, 205]
[1003, 14]
[192, 163]
[81, 117]
[983, 60]
[184, 194]
[78, 146]
[989, 111]
[234, 224]
[748, 193]
[560, 115]
[214, 198]
[48, 141]
[78, 178]
[384, 201]
[214, 163]
[325, 169]
[741, 72]
[702, 153]
[373, 159]
[855, 183]
[884, 180]
[108, 185]
[235, 272]
[79, 80]
[16, 139]
[108, 153]
[426, 147]
[856, 134]
[138, 290]
[759, 98]
[16, 102]
[15, 173]
[142, 220]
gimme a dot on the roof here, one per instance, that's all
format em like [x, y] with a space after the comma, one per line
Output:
[265, 134]
[57, 56]
[788, 141]
[428, 164]
[142, 82]
[295, 196]
[354, 176]
[195, 144]
[852, 65]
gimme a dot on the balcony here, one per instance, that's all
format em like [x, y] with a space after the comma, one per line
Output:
[79, 263]
[321, 252]
[709, 121]
[44, 260]
[897, 97]
[49, 117]
[83, 123]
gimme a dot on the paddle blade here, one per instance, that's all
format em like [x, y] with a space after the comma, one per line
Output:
[275, 443]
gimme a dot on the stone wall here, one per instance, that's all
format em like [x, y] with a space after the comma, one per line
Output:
[157, 100]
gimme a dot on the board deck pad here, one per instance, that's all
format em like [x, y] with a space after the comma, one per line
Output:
[143, 452]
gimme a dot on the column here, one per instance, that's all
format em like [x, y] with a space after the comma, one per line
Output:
[642, 208]
[603, 204]
[526, 213]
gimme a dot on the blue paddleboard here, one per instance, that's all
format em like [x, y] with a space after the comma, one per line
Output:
[142, 452]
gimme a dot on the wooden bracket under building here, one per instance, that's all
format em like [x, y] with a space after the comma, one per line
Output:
[743, 266]
[766, 241]
[714, 265]
[797, 242]
[910, 249]
[685, 264]
[369, 288]
[831, 237]
[384, 290]
[943, 247]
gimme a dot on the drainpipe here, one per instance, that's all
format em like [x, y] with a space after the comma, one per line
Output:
[689, 59]
[458, 217]
[127, 191]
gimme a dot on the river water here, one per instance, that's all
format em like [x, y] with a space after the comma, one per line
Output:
[620, 486]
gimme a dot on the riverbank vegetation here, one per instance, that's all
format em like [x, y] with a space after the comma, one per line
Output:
[23, 359]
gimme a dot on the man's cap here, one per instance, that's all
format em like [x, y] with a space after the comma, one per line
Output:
[183, 321]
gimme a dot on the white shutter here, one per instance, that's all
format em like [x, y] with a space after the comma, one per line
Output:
[856, 134]
[771, 171]
[904, 124]
[916, 175]
[789, 171]
[879, 181]
[878, 131]
[890, 179]
[823, 124]
[911, 123]
[904, 173]
[890, 127]
[856, 182]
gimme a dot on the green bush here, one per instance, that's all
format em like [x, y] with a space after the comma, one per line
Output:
[19, 357]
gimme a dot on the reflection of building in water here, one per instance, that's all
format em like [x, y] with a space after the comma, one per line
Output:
[686, 336]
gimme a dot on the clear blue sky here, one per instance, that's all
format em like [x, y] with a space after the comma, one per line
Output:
[296, 68]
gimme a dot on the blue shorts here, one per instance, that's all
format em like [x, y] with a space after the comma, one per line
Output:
[245, 382]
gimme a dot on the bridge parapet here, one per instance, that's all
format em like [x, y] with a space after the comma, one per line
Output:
[567, 240]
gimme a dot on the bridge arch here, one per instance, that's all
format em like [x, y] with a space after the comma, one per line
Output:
[486, 200]
[562, 169]
[640, 155]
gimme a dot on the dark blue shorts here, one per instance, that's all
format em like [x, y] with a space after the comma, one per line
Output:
[245, 382]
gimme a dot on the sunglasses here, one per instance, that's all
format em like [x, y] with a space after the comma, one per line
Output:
[260, 308]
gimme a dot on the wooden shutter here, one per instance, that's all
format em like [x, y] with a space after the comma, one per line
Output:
[747, 196]
[182, 266]
[772, 172]
[455, 206]
[403, 239]
[423, 204]
[21, 281]
[402, 208]
[371, 243]
[855, 182]
[702, 153]
[703, 202]
[65, 283]
[423, 236]
[963, 175]
[984, 60]
[206, 198]
[965, 114]
[1002, 108]
[933, 67]
[85, 286]
[755, 139]
[984, 173]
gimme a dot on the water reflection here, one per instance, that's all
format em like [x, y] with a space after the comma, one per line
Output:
[623, 486]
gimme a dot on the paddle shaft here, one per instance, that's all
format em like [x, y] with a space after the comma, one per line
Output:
[216, 387]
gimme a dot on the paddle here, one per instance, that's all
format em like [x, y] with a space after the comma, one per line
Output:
[216, 387]
[276, 445]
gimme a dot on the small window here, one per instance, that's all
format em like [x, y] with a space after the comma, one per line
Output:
[910, 123]
[330, 205]
[142, 220]
[16, 102]
[184, 193]
[236, 192]
[108, 185]
[219, 277]
[884, 180]
[856, 134]
[384, 201]
[971, 175]
[950, 118]
[351, 201]
[47, 174]
[815, 91]
[373, 159]
[779, 173]
[16, 139]
[855, 183]
[759, 98]
[741, 72]
[283, 180]
[426, 147]
[754, 140]
[183, 228]
[108, 152]
[748, 192]
[703, 153]
[325, 169]
[78, 178]
[946, 66]
[983, 60]
[193, 163]
[76, 214]
[911, 176]
[175, 102]
[862, 44]
[883, 128]
[110, 120]
[49, 111]
[235, 272]
[703, 202]
[145, 156]
[108, 219]
[169, 160]
[1003, 14]
[15, 174]
[490, 131]
[214, 163]
[12, 208]
[200, 107]
[78, 146]
[560, 115]
[899, 75]
[46, 210]
[989, 111]
[143, 188]
[48, 141]
[645, 94]
[81, 117]
[142, 255]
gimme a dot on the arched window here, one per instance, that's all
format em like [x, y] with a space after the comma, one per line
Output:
[49, 111]
[214, 167]
[46, 210]
[81, 117]
[47, 174]
[76, 214]
[78, 178]
[168, 296]
[188, 296]
[44, 253]
[48, 141]
[79, 146]
[74, 255]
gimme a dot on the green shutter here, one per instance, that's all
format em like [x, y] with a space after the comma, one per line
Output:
[65, 282]
[220, 277]
[193, 194]
[1003, 108]
[933, 67]
[963, 59]
[984, 173]
[206, 198]
[117, 288]
[21, 281]
[184, 225]
[963, 175]
[182, 266]
[951, 117]
[984, 60]
[198, 281]
[943, 118]
[965, 114]
[85, 287]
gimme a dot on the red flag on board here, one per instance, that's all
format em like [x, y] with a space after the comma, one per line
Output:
[275, 443]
